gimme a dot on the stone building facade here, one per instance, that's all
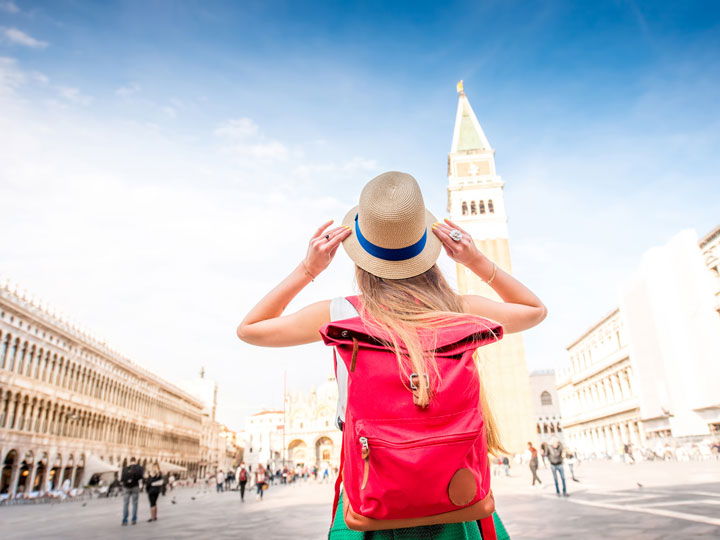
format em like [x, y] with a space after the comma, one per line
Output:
[598, 396]
[646, 374]
[303, 434]
[68, 403]
[546, 405]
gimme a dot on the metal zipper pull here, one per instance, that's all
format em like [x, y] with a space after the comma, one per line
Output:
[366, 458]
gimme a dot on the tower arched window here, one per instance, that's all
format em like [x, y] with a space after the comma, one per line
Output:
[545, 398]
[491, 206]
[481, 204]
[473, 209]
[464, 209]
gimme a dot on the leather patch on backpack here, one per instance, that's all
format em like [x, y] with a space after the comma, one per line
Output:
[462, 487]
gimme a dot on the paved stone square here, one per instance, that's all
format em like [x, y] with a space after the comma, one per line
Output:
[655, 500]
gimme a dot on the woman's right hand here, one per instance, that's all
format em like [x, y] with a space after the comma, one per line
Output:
[323, 246]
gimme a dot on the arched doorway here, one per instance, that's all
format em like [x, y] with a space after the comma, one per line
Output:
[54, 479]
[79, 471]
[323, 450]
[40, 472]
[67, 473]
[298, 452]
[26, 468]
[6, 476]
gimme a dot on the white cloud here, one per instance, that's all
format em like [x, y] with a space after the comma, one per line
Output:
[170, 112]
[74, 96]
[18, 37]
[9, 7]
[355, 165]
[245, 141]
[237, 128]
[359, 163]
[10, 75]
[127, 90]
[39, 77]
[266, 150]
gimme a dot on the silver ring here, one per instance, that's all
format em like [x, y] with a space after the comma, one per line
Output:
[456, 235]
[327, 237]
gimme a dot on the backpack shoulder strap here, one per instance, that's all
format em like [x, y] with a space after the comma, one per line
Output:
[355, 301]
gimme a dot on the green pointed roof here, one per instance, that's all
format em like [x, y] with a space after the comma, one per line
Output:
[469, 136]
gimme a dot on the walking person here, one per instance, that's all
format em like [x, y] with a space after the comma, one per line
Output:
[506, 465]
[555, 457]
[242, 476]
[260, 479]
[544, 448]
[154, 483]
[394, 242]
[130, 479]
[219, 479]
[534, 464]
[571, 458]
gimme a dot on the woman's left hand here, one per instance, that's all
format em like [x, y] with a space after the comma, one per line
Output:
[465, 251]
[323, 246]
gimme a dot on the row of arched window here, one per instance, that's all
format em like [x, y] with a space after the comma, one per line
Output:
[25, 413]
[549, 427]
[43, 364]
[612, 388]
[474, 210]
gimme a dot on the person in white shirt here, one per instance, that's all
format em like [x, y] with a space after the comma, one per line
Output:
[220, 479]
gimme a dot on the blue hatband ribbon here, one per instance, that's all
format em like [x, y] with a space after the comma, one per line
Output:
[389, 254]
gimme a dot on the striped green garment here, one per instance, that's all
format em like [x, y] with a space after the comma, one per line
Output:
[452, 531]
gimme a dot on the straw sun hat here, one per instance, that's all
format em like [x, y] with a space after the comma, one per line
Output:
[391, 228]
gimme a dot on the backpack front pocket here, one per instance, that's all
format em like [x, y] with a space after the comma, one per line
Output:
[405, 475]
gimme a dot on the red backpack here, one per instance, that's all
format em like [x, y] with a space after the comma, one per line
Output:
[404, 465]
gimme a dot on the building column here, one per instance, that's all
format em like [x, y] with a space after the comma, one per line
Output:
[617, 437]
[624, 384]
[610, 396]
[35, 414]
[10, 420]
[607, 438]
[15, 474]
[634, 435]
[31, 478]
[72, 475]
[60, 476]
[641, 433]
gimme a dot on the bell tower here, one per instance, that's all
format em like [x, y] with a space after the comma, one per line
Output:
[476, 203]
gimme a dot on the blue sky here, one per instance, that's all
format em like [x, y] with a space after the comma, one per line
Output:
[152, 141]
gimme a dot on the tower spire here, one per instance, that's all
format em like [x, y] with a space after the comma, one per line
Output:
[468, 135]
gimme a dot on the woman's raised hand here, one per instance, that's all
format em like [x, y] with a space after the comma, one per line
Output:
[323, 245]
[465, 251]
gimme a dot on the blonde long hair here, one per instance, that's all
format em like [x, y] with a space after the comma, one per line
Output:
[400, 308]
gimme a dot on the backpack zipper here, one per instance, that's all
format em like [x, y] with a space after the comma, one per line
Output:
[366, 459]
[430, 441]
